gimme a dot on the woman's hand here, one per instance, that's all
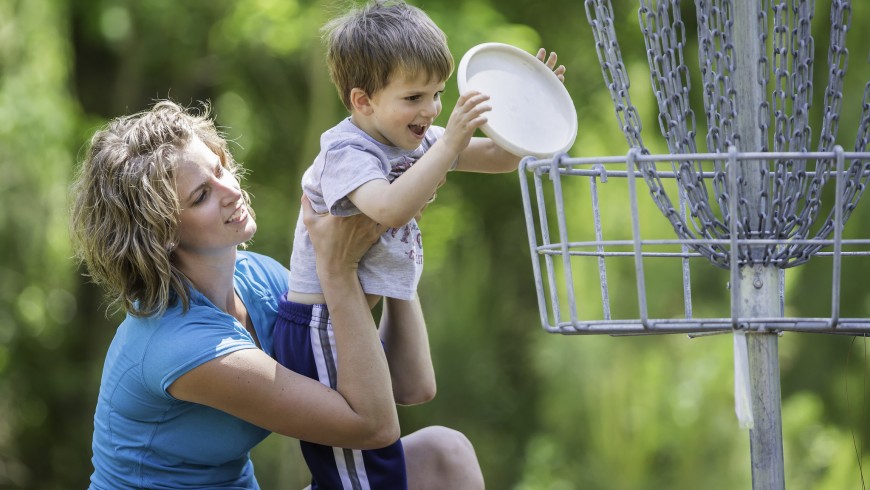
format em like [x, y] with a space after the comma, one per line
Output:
[339, 243]
[551, 63]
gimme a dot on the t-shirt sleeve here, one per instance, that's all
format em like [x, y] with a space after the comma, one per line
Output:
[346, 167]
[187, 341]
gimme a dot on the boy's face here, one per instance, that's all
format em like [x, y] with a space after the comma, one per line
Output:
[401, 113]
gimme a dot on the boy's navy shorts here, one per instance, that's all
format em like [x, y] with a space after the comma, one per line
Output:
[304, 343]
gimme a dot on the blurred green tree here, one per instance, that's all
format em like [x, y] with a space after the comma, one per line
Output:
[544, 411]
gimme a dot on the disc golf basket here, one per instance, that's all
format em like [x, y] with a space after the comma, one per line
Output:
[758, 201]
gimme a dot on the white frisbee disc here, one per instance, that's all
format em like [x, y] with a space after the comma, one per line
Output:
[532, 112]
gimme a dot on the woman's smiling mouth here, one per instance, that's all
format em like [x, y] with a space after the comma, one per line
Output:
[239, 215]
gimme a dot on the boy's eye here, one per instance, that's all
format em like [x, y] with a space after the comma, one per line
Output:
[438, 94]
[413, 97]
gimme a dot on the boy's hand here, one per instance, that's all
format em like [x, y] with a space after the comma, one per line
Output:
[466, 117]
[551, 63]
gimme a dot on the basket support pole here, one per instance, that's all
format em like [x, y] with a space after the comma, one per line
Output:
[759, 297]
[759, 285]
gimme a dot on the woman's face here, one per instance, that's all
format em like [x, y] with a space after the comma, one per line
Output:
[214, 215]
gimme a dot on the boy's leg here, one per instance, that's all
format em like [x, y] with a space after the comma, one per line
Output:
[303, 342]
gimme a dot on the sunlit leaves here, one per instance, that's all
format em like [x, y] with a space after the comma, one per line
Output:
[544, 412]
[281, 26]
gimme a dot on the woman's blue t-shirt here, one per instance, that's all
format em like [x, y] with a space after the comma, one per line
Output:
[145, 438]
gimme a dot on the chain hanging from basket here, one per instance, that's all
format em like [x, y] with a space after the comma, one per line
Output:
[793, 195]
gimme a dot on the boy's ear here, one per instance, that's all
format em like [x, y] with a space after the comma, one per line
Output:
[360, 101]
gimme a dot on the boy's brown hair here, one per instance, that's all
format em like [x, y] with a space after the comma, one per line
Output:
[369, 44]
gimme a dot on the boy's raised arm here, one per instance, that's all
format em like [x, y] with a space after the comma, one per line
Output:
[395, 204]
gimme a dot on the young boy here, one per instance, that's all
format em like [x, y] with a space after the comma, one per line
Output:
[390, 64]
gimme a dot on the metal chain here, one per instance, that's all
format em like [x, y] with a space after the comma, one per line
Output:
[837, 63]
[716, 58]
[791, 199]
[664, 34]
[805, 193]
[764, 71]
[600, 16]
[790, 43]
[613, 69]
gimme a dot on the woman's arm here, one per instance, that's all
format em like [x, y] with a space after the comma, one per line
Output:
[250, 385]
[406, 341]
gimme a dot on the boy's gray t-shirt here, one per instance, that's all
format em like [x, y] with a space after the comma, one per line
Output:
[349, 158]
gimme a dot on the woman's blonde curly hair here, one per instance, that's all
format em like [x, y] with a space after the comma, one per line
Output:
[125, 210]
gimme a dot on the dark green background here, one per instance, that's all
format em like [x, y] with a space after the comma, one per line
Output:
[544, 411]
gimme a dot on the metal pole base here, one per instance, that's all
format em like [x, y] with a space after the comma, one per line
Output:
[765, 438]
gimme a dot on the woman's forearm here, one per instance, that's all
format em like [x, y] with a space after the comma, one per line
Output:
[363, 374]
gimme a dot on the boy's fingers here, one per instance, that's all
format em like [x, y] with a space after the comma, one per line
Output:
[551, 61]
[560, 73]
[466, 96]
[473, 96]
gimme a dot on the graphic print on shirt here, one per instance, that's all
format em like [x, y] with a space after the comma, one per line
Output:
[410, 233]
[399, 166]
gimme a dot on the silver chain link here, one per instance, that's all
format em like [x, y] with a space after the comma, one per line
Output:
[792, 201]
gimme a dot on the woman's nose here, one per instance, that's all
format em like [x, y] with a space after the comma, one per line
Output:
[231, 192]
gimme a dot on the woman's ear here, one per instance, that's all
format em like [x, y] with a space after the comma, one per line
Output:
[360, 101]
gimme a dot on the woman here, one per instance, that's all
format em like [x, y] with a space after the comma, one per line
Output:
[189, 384]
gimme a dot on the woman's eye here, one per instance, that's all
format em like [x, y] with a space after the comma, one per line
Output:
[200, 198]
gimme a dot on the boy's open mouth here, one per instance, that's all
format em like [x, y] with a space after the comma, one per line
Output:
[417, 129]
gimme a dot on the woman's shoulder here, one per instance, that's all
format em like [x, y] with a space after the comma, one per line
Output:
[261, 269]
[168, 345]
[247, 257]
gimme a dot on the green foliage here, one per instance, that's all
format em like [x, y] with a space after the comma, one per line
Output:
[544, 411]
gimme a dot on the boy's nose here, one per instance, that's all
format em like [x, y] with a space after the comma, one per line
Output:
[430, 109]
